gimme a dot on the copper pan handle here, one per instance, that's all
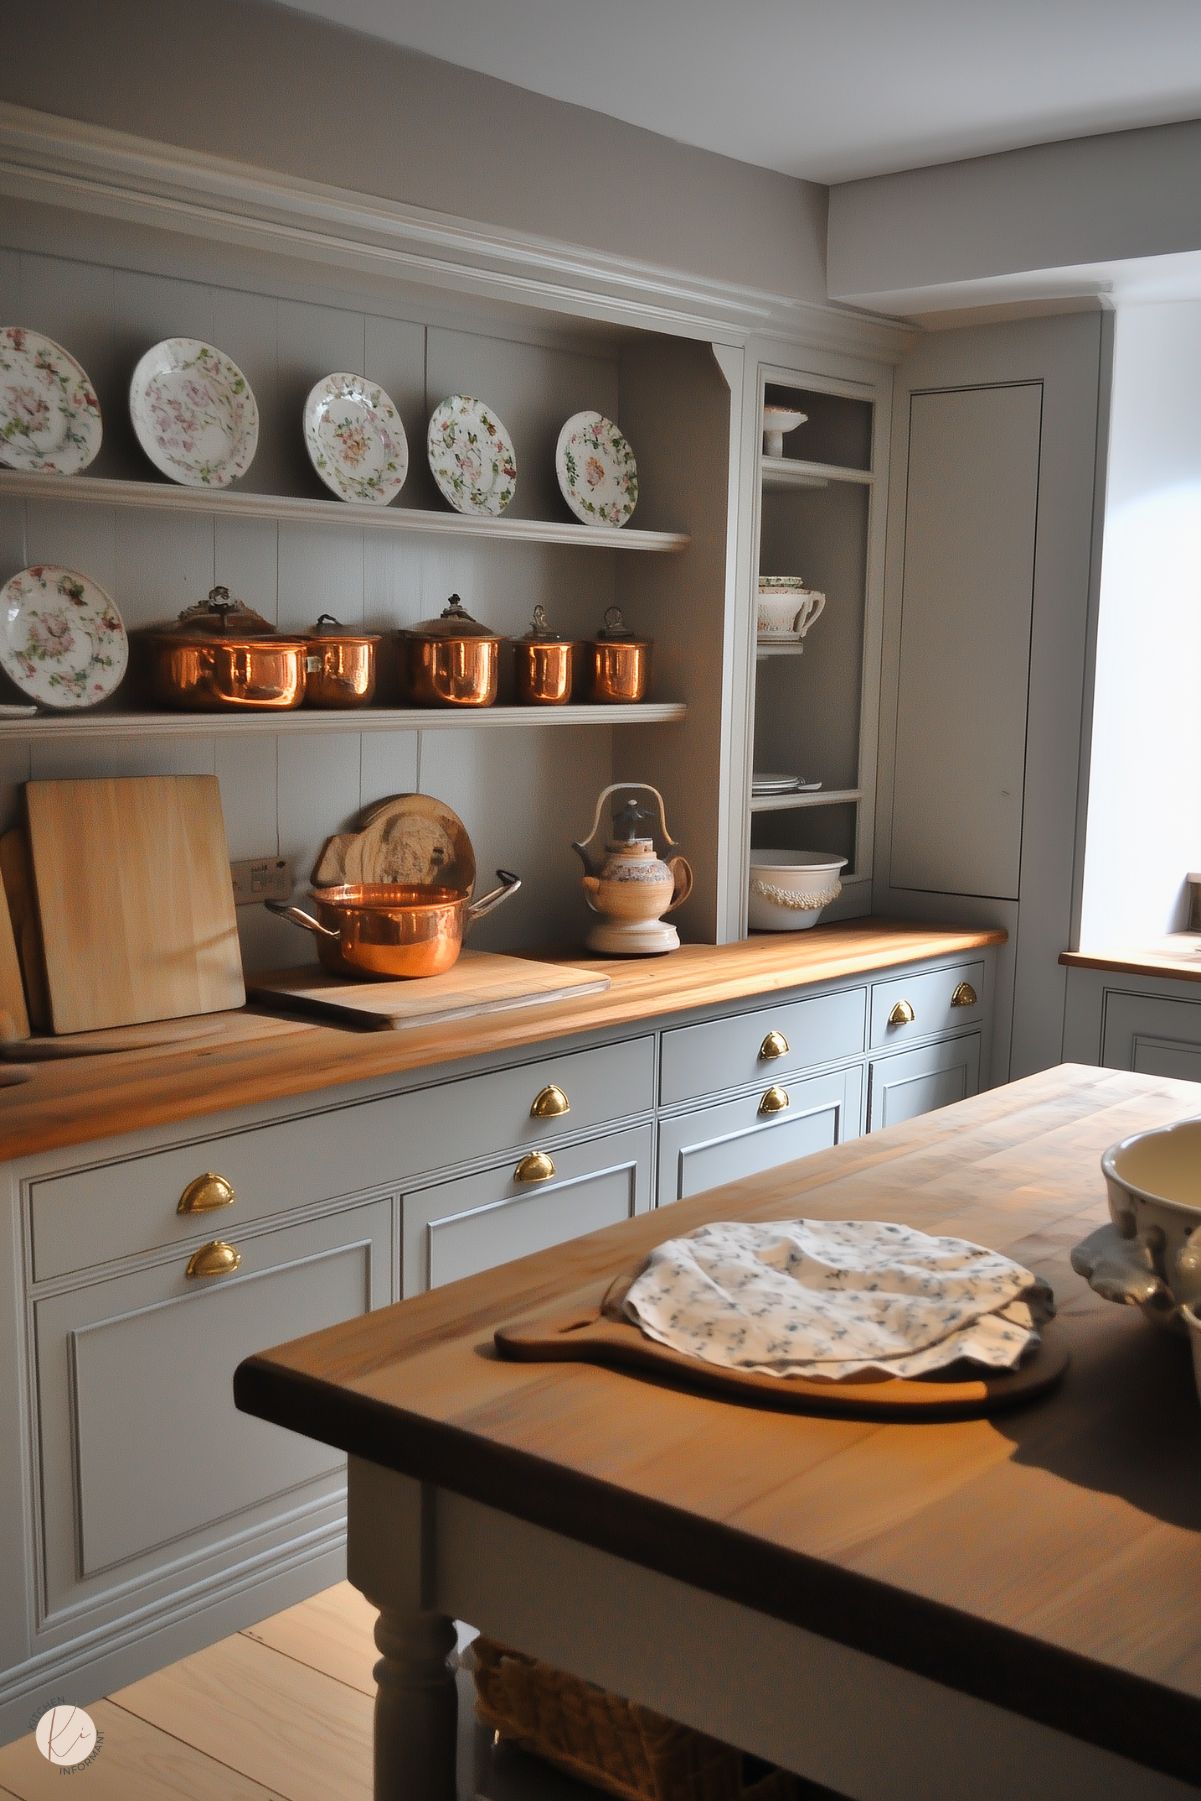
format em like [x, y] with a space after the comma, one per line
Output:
[509, 884]
[298, 917]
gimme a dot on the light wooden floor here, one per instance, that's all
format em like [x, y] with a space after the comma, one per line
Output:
[280, 1712]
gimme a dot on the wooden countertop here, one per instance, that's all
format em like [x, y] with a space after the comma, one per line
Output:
[1040, 1559]
[257, 1057]
[1177, 956]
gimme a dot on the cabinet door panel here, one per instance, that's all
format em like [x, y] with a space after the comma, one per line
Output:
[971, 511]
[919, 1081]
[142, 1447]
[722, 1143]
[456, 1229]
[1153, 1035]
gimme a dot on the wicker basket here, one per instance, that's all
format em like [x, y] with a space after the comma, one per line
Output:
[612, 1743]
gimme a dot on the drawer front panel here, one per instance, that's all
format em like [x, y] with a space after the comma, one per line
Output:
[770, 1043]
[720, 1144]
[938, 1001]
[144, 1455]
[458, 1228]
[1153, 1035]
[921, 1080]
[125, 1207]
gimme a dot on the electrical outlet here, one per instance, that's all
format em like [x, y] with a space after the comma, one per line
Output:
[261, 879]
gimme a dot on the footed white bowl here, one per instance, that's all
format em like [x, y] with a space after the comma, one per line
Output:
[776, 421]
[789, 888]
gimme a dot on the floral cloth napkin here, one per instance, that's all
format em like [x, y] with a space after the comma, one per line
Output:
[836, 1298]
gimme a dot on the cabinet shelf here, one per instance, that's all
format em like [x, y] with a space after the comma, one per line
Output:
[235, 503]
[320, 719]
[791, 472]
[824, 797]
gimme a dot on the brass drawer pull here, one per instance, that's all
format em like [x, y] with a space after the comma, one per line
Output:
[774, 1045]
[902, 1015]
[215, 1259]
[964, 996]
[537, 1167]
[774, 1101]
[549, 1103]
[206, 1193]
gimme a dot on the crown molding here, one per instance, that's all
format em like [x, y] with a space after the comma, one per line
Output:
[69, 163]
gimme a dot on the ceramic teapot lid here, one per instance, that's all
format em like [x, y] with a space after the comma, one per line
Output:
[453, 622]
[218, 617]
[541, 631]
[615, 631]
[632, 825]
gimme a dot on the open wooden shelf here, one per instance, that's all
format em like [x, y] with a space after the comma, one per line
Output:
[791, 472]
[335, 719]
[822, 797]
[236, 503]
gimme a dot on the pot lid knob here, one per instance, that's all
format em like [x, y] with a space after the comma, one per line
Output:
[220, 616]
[541, 630]
[615, 630]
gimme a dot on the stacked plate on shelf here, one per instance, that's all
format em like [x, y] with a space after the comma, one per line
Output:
[763, 784]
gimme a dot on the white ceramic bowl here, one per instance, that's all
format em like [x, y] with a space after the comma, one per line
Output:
[1192, 1321]
[789, 888]
[1154, 1184]
[776, 421]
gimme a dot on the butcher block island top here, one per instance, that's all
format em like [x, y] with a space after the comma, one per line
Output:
[254, 1057]
[1043, 1559]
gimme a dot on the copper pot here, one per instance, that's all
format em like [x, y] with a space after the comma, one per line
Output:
[339, 665]
[619, 662]
[544, 663]
[385, 929]
[222, 656]
[451, 661]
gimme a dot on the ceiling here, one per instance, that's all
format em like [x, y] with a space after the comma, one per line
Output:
[825, 89]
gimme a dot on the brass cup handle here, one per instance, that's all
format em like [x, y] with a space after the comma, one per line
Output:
[549, 1103]
[774, 1101]
[902, 1015]
[215, 1259]
[204, 1194]
[537, 1167]
[964, 996]
[774, 1045]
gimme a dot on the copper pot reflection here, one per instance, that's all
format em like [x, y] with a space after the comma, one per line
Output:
[339, 665]
[544, 664]
[619, 662]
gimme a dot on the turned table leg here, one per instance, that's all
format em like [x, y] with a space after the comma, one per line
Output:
[416, 1708]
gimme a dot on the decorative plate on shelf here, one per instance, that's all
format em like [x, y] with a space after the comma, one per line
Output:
[49, 413]
[472, 456]
[194, 413]
[62, 640]
[354, 436]
[597, 471]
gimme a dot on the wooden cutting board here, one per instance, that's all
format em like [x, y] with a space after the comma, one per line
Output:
[17, 874]
[135, 899]
[14, 1015]
[480, 982]
[594, 1336]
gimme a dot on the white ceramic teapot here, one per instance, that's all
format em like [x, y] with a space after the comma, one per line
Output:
[631, 887]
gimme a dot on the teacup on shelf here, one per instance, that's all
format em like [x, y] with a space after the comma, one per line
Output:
[786, 608]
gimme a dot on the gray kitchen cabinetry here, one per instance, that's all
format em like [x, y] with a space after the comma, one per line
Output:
[1141, 1022]
[756, 1131]
[918, 1081]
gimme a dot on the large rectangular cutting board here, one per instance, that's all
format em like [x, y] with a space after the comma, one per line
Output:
[135, 899]
[480, 982]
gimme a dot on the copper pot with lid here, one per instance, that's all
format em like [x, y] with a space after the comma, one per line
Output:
[222, 656]
[619, 662]
[339, 665]
[451, 661]
[544, 664]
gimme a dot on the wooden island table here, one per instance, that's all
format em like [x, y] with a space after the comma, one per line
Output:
[990, 1608]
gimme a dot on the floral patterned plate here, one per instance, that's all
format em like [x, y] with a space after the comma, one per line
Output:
[596, 470]
[194, 413]
[49, 413]
[354, 436]
[472, 456]
[62, 640]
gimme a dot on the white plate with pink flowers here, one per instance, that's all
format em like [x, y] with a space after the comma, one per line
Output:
[472, 456]
[354, 436]
[194, 413]
[596, 470]
[62, 640]
[49, 413]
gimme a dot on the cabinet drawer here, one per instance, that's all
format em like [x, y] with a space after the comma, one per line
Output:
[939, 1000]
[721, 1143]
[1153, 1035]
[144, 1458]
[130, 1205]
[730, 1052]
[458, 1228]
[918, 1081]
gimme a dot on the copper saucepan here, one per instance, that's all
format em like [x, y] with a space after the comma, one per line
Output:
[385, 929]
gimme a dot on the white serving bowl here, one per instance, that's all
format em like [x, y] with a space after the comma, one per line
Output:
[776, 421]
[1154, 1184]
[789, 888]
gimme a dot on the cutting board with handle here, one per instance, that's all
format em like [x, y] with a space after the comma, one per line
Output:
[480, 982]
[135, 899]
[603, 1335]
